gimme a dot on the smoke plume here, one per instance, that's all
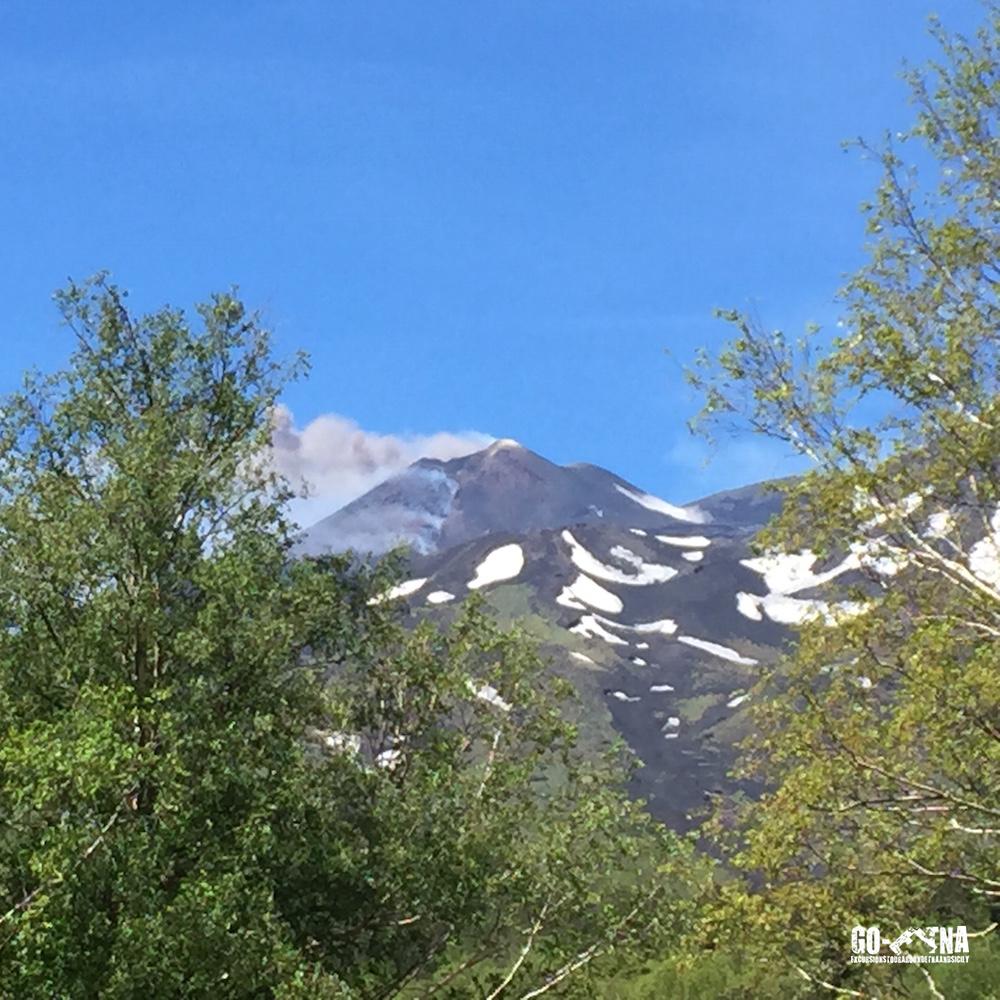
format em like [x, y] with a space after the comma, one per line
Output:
[335, 460]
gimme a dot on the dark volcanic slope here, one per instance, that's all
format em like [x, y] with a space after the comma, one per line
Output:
[647, 607]
[749, 507]
[434, 505]
[668, 669]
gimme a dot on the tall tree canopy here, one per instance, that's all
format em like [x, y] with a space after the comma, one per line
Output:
[228, 773]
[880, 736]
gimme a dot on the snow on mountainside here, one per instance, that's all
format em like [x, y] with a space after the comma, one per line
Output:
[659, 648]
[656, 612]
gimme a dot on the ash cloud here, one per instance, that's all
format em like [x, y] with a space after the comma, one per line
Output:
[331, 460]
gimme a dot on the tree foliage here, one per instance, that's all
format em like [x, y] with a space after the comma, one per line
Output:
[880, 736]
[225, 772]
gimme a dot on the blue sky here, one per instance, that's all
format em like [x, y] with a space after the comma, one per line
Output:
[489, 217]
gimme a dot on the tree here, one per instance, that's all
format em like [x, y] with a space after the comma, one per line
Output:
[880, 735]
[228, 773]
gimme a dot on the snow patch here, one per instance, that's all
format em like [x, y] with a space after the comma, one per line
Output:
[664, 626]
[794, 610]
[622, 696]
[586, 590]
[489, 694]
[638, 531]
[400, 590]
[590, 628]
[790, 572]
[940, 524]
[691, 514]
[639, 661]
[737, 701]
[717, 650]
[646, 573]
[786, 574]
[878, 555]
[748, 605]
[693, 556]
[660, 688]
[984, 556]
[388, 759]
[440, 597]
[685, 541]
[791, 610]
[582, 657]
[503, 563]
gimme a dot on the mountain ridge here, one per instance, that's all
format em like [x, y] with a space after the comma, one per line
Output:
[656, 613]
[434, 504]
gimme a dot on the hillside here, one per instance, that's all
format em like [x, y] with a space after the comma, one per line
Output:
[656, 612]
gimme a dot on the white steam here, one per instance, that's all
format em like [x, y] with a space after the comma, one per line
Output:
[332, 460]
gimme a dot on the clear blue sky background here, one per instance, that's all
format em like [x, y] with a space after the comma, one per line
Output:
[490, 216]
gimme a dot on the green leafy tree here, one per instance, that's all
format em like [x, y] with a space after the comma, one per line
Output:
[880, 736]
[225, 772]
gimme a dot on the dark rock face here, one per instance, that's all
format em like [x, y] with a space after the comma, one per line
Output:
[434, 505]
[633, 599]
[749, 507]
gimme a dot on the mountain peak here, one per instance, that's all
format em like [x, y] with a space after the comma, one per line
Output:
[505, 488]
[505, 444]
